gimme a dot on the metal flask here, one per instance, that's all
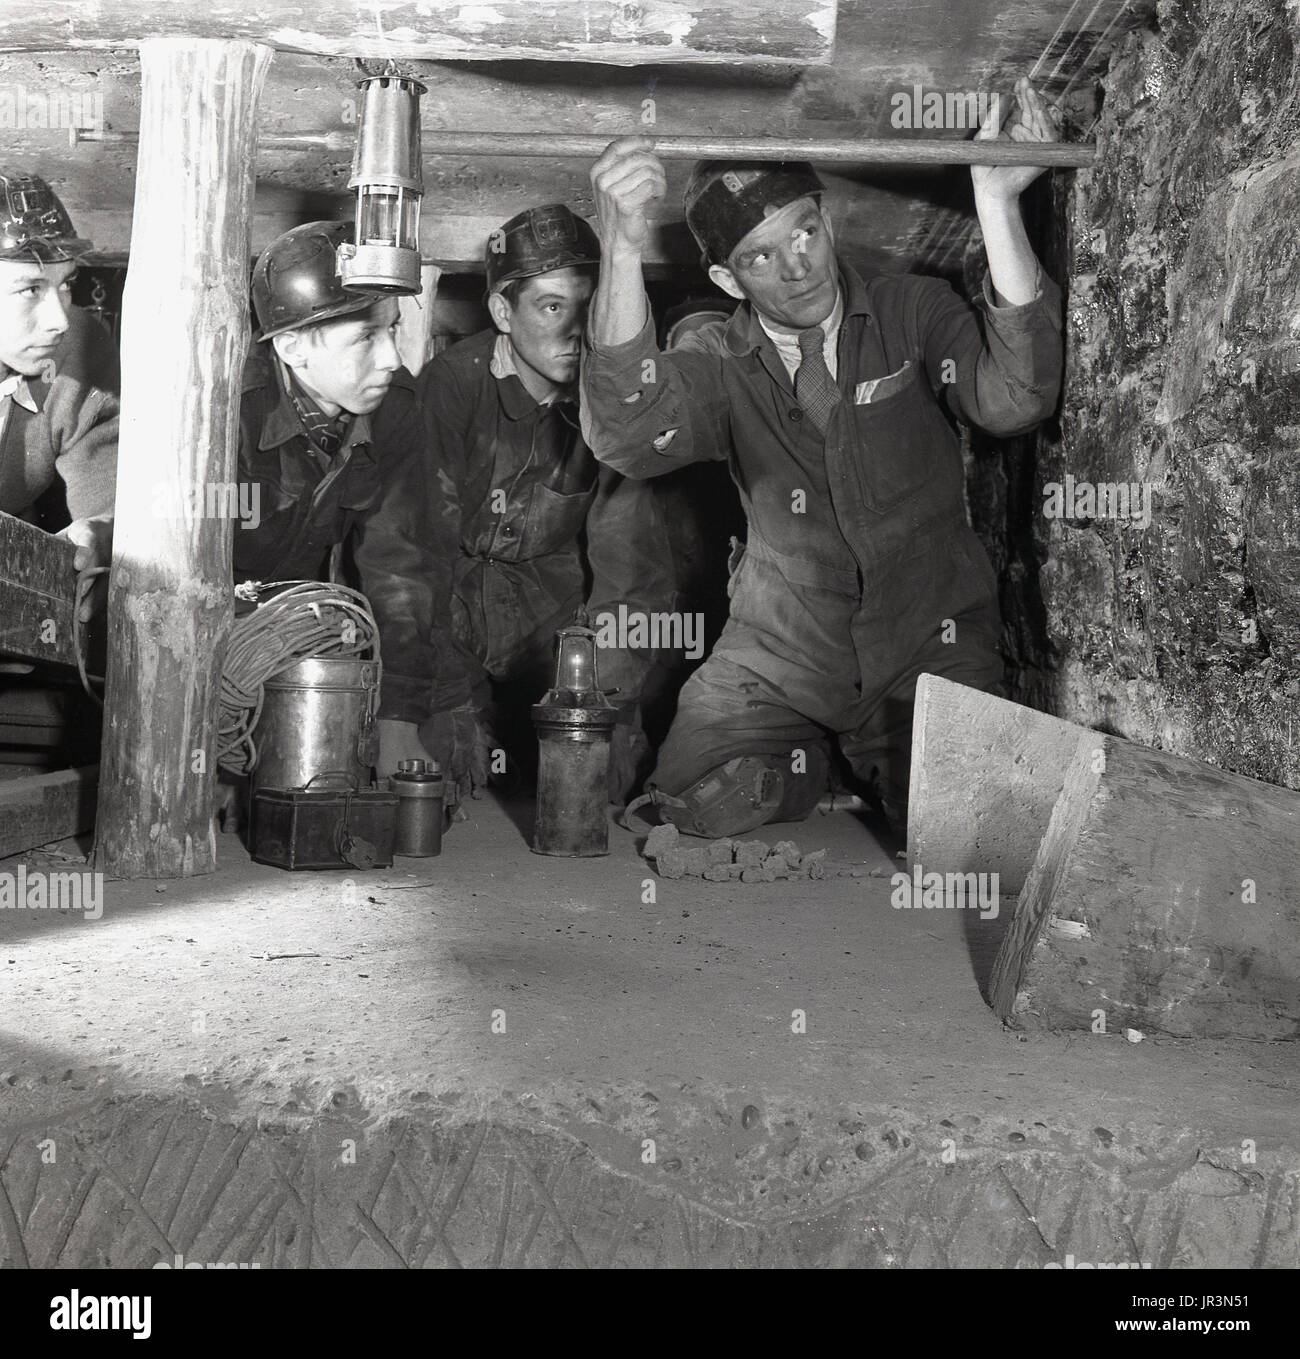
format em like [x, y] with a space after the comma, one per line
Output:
[574, 724]
[318, 717]
[419, 788]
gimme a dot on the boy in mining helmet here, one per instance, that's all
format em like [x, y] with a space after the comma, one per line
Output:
[830, 396]
[332, 455]
[543, 528]
[59, 380]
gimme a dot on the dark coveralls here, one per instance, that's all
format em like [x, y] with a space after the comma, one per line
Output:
[849, 592]
[375, 498]
[543, 529]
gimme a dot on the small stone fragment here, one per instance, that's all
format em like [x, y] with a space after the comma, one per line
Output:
[721, 851]
[695, 861]
[671, 863]
[863, 1152]
[672, 1164]
[749, 1116]
[1015, 1137]
[751, 875]
[751, 853]
[789, 851]
[660, 839]
[1133, 1035]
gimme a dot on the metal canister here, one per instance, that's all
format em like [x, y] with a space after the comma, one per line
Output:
[419, 788]
[318, 717]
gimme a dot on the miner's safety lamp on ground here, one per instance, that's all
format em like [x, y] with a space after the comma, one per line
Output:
[574, 723]
[389, 184]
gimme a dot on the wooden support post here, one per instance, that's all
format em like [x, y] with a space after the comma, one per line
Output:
[184, 338]
[986, 774]
[1164, 896]
[415, 320]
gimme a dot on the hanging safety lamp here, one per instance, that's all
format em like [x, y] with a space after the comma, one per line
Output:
[386, 175]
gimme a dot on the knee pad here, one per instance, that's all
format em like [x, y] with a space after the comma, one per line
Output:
[730, 800]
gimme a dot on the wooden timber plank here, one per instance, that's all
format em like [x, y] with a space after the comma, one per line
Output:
[37, 585]
[44, 807]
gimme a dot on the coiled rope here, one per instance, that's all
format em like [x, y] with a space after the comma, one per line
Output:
[303, 620]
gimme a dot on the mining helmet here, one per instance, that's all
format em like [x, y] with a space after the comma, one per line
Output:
[296, 281]
[726, 200]
[536, 241]
[34, 225]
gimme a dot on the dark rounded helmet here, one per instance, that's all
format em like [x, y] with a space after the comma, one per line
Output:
[296, 282]
[726, 200]
[536, 241]
[34, 225]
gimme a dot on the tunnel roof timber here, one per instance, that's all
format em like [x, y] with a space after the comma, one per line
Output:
[864, 68]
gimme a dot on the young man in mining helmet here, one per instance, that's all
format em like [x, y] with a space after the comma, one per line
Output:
[332, 454]
[59, 380]
[543, 528]
[831, 398]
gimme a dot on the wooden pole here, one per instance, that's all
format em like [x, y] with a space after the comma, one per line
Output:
[1164, 897]
[184, 337]
[824, 151]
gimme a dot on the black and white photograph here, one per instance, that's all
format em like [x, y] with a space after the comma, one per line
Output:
[649, 635]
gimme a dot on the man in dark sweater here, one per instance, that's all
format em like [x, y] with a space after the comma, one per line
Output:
[58, 380]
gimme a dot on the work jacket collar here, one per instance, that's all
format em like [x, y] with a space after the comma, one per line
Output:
[744, 333]
[516, 400]
[282, 424]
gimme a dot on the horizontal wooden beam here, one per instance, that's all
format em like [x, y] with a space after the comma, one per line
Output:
[455, 242]
[655, 32]
[582, 146]
[37, 586]
[39, 808]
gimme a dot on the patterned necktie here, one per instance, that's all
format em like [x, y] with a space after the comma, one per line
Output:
[324, 432]
[813, 387]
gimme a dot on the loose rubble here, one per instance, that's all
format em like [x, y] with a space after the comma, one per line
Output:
[735, 860]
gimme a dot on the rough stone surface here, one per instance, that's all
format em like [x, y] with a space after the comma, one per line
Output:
[1182, 267]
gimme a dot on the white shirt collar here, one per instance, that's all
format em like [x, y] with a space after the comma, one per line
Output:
[15, 385]
[787, 343]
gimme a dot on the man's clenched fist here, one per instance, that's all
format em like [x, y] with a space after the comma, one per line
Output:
[625, 179]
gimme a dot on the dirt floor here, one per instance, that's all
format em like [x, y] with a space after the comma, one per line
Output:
[495, 1057]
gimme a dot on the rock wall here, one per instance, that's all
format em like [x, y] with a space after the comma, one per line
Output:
[1181, 255]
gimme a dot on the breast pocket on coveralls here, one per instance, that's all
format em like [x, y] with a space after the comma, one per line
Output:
[555, 518]
[904, 445]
